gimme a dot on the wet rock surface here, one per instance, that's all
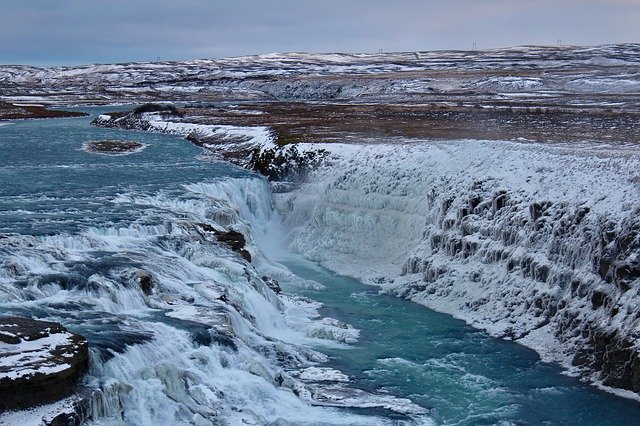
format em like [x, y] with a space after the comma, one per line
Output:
[145, 279]
[40, 362]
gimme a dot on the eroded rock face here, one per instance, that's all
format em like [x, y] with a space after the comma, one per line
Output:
[545, 253]
[40, 362]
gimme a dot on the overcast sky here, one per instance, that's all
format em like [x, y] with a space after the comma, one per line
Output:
[47, 32]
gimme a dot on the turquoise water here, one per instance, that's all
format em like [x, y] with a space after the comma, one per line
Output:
[50, 185]
[465, 376]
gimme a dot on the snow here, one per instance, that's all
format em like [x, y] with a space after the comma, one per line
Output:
[38, 415]
[609, 69]
[330, 328]
[29, 358]
[232, 135]
[319, 374]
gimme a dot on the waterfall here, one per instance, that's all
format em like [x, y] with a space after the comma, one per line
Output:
[182, 328]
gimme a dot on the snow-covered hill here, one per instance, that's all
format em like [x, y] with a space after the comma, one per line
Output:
[526, 74]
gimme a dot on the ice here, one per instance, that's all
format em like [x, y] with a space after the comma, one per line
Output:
[317, 374]
[330, 328]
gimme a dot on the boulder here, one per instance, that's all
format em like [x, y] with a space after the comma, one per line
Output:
[145, 280]
[235, 240]
[40, 362]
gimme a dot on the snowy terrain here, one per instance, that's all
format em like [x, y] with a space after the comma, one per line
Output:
[514, 76]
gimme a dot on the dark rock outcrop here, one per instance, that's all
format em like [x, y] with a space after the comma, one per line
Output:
[40, 362]
[236, 241]
[167, 109]
[145, 279]
[615, 357]
[75, 414]
[273, 284]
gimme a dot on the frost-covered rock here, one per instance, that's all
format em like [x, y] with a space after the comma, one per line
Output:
[40, 362]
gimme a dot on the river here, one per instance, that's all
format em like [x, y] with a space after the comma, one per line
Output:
[79, 222]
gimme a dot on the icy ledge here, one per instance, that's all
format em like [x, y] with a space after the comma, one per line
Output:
[535, 243]
[40, 362]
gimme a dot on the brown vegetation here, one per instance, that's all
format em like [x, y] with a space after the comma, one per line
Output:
[331, 122]
[10, 111]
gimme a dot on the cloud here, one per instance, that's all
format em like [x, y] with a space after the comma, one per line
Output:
[77, 31]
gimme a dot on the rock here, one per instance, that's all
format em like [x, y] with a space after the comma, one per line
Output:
[113, 147]
[614, 357]
[165, 109]
[236, 241]
[75, 414]
[272, 284]
[233, 239]
[40, 362]
[146, 282]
